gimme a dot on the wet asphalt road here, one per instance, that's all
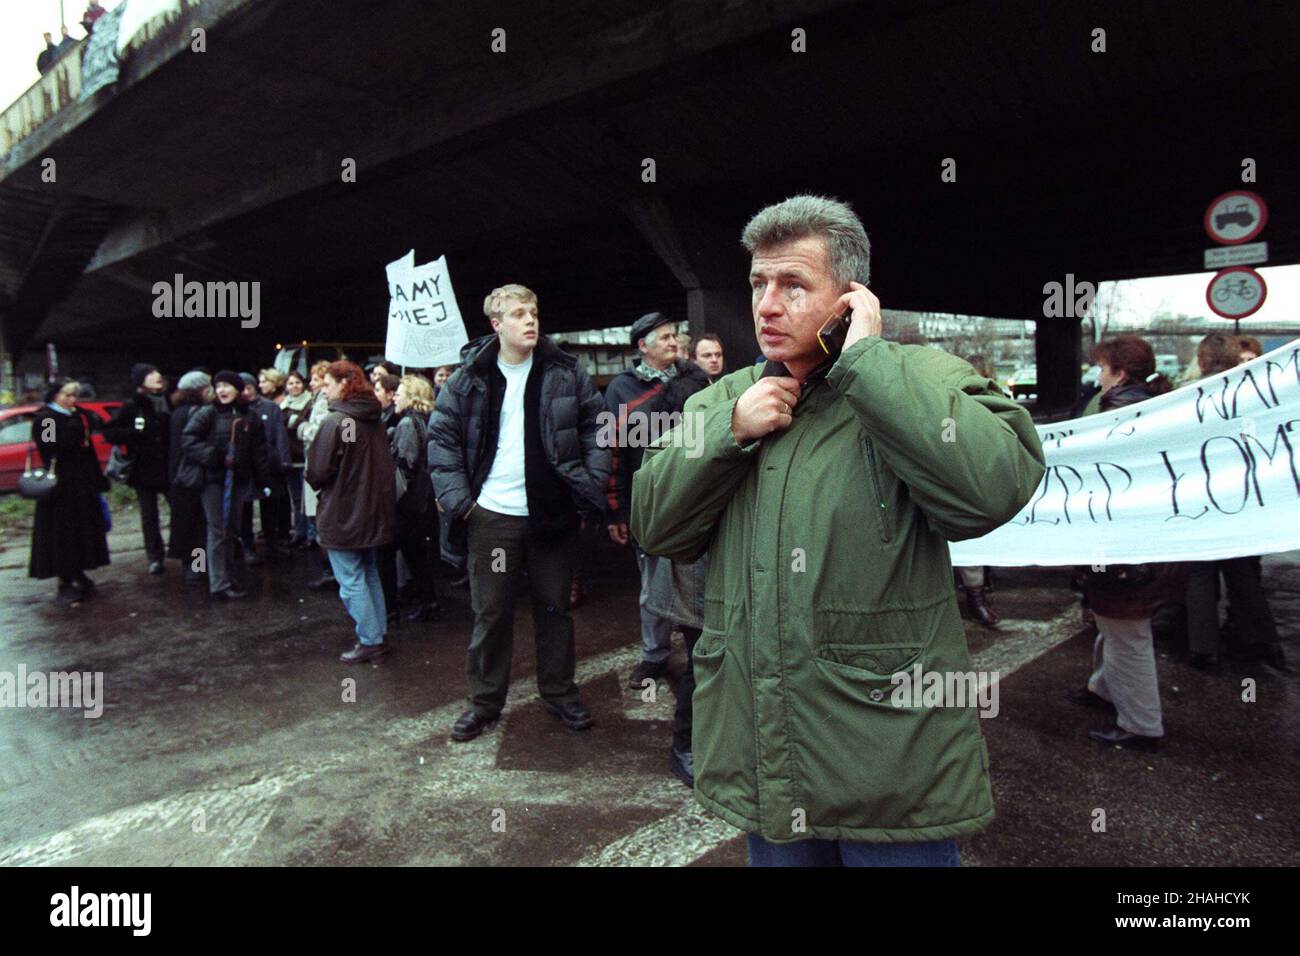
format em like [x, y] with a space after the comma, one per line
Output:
[226, 738]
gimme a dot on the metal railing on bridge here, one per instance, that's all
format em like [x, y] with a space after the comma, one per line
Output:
[142, 22]
[58, 88]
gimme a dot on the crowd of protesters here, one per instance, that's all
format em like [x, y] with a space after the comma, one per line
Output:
[493, 466]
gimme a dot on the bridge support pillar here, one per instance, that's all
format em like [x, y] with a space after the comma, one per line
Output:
[1058, 355]
[702, 249]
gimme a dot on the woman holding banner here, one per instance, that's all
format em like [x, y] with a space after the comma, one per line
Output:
[1250, 629]
[1122, 598]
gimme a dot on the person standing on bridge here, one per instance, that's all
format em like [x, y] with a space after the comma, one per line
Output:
[94, 10]
[826, 486]
[515, 456]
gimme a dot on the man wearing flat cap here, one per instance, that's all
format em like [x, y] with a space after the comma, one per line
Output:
[659, 383]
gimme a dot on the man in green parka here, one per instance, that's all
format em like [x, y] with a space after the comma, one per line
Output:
[826, 487]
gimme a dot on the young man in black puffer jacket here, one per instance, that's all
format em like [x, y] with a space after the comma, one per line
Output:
[514, 453]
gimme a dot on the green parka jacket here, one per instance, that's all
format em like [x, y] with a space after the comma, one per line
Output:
[828, 573]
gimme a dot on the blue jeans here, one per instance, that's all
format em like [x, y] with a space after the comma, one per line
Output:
[361, 591]
[850, 853]
[300, 520]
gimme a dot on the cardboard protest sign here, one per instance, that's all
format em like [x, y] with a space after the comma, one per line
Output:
[424, 322]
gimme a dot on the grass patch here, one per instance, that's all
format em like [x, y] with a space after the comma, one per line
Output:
[15, 513]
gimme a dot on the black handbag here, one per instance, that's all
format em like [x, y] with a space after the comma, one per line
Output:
[119, 465]
[39, 484]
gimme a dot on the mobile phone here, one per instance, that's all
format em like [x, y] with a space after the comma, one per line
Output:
[831, 335]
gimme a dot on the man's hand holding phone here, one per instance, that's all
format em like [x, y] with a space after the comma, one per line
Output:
[765, 407]
[866, 312]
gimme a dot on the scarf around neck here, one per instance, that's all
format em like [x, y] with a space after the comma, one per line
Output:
[648, 373]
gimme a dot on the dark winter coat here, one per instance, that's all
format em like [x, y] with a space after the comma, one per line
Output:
[181, 473]
[568, 405]
[279, 458]
[408, 438]
[350, 465]
[148, 444]
[209, 433]
[185, 482]
[627, 397]
[296, 411]
[68, 534]
[1131, 592]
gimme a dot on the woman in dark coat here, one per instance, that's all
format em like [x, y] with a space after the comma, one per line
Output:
[350, 465]
[140, 428]
[408, 437]
[68, 536]
[1123, 598]
[225, 441]
[185, 480]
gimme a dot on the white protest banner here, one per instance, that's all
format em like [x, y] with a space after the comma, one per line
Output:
[1210, 470]
[99, 61]
[142, 19]
[424, 323]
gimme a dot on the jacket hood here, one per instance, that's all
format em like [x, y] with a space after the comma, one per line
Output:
[364, 408]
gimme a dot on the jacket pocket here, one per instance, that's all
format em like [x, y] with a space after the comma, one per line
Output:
[879, 505]
[875, 661]
[857, 674]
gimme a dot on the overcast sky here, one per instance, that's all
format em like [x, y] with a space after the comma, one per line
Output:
[23, 21]
[1185, 295]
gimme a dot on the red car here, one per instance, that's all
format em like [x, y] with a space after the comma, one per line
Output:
[16, 438]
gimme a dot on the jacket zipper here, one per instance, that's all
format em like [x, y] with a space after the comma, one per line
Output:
[882, 510]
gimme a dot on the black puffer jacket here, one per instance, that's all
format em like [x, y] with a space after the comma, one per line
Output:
[207, 437]
[570, 406]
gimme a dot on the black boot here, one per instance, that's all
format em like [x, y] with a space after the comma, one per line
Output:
[979, 607]
[326, 580]
[424, 611]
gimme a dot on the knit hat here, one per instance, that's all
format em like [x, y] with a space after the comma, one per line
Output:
[647, 324]
[140, 371]
[194, 380]
[227, 377]
[247, 379]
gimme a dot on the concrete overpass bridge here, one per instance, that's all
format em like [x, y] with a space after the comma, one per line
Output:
[527, 165]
